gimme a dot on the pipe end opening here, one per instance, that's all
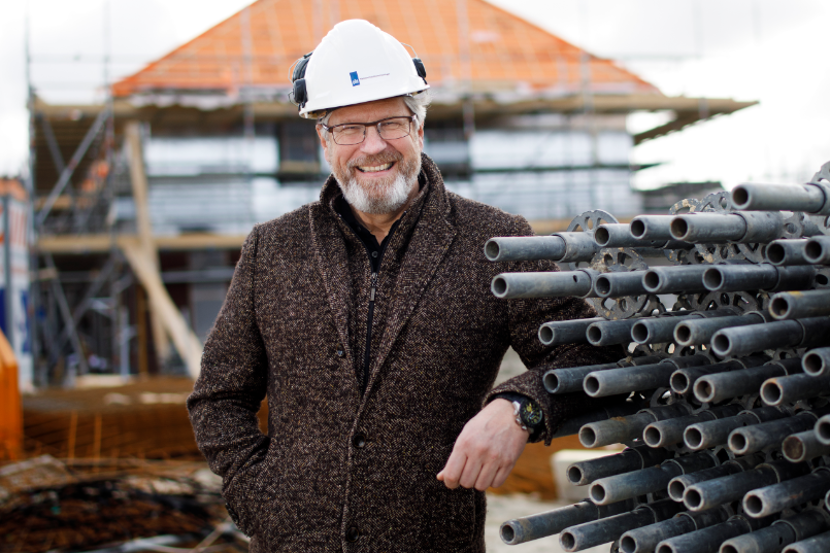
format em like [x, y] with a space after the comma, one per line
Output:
[682, 334]
[793, 449]
[779, 307]
[628, 544]
[492, 250]
[704, 391]
[602, 236]
[591, 385]
[594, 335]
[679, 228]
[740, 197]
[823, 430]
[640, 333]
[737, 442]
[679, 382]
[637, 228]
[713, 278]
[602, 286]
[568, 541]
[652, 436]
[813, 251]
[753, 504]
[652, 281]
[598, 494]
[776, 254]
[508, 533]
[499, 286]
[587, 436]
[665, 548]
[692, 499]
[676, 490]
[728, 548]
[721, 344]
[813, 364]
[575, 475]
[551, 382]
[546, 335]
[771, 393]
[693, 437]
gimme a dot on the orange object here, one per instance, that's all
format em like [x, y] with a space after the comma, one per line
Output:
[486, 46]
[11, 414]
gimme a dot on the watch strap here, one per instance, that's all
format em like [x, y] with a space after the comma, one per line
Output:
[529, 415]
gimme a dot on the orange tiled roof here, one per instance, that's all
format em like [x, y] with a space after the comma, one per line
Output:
[505, 51]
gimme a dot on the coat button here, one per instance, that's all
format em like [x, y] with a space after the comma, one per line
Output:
[352, 534]
[359, 440]
[341, 353]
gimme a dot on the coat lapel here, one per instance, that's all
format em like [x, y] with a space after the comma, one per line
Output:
[333, 265]
[431, 240]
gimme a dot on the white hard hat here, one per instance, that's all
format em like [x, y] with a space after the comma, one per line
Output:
[354, 63]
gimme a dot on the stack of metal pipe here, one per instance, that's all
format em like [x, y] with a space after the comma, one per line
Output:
[722, 403]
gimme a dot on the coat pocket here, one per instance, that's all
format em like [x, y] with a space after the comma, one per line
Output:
[449, 516]
[245, 492]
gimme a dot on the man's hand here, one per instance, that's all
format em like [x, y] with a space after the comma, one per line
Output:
[486, 450]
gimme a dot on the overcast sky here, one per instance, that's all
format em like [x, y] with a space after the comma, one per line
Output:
[773, 51]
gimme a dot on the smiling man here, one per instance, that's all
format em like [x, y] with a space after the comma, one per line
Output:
[367, 320]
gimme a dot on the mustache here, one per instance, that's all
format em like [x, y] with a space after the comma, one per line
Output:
[378, 159]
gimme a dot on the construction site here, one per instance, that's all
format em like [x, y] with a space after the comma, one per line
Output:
[121, 239]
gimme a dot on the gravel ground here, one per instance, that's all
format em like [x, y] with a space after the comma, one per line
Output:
[505, 507]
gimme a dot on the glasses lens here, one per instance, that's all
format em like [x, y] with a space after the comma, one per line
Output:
[396, 127]
[348, 134]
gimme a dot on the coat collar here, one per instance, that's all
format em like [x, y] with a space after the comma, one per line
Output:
[431, 238]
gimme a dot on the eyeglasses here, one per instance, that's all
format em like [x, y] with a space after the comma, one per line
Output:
[391, 128]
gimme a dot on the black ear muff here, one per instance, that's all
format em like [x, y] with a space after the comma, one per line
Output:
[300, 92]
[419, 67]
[299, 67]
[298, 78]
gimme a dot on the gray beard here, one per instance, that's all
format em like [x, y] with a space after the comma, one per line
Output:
[395, 197]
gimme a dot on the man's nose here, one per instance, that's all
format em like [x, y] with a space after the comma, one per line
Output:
[373, 143]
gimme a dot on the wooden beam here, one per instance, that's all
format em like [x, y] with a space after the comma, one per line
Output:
[163, 308]
[141, 331]
[138, 179]
[11, 414]
[102, 243]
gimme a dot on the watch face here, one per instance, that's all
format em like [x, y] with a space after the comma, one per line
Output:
[531, 414]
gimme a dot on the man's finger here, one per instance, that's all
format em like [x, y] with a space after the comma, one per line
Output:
[472, 468]
[501, 475]
[486, 476]
[451, 473]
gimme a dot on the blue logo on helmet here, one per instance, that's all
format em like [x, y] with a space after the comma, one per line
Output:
[355, 79]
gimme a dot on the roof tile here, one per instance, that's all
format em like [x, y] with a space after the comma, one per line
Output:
[505, 52]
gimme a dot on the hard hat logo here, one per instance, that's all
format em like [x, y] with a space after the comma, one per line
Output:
[319, 85]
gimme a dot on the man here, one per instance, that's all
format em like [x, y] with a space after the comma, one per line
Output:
[367, 320]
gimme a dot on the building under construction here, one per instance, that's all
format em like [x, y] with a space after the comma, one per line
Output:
[139, 205]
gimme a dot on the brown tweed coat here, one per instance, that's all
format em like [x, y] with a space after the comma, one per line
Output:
[341, 472]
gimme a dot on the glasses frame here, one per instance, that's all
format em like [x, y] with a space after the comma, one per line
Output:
[375, 124]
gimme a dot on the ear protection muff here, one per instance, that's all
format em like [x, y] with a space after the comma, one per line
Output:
[298, 78]
[419, 67]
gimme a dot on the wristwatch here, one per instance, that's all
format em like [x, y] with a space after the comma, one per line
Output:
[527, 412]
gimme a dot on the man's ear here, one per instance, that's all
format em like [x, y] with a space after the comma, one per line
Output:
[321, 133]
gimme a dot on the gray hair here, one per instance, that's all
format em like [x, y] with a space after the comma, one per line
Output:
[417, 104]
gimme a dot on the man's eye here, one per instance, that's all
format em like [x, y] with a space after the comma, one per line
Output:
[350, 129]
[391, 125]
